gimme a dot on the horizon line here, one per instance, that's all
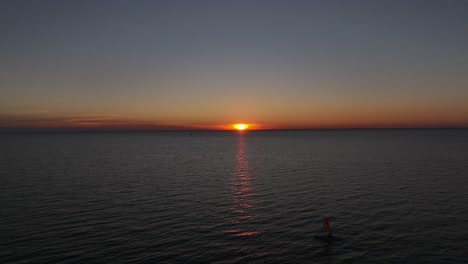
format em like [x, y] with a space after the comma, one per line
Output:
[64, 130]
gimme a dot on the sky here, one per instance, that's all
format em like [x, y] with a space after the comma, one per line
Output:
[156, 65]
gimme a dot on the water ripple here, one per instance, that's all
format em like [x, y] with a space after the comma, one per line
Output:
[215, 197]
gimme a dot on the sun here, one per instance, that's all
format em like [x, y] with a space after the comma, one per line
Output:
[241, 126]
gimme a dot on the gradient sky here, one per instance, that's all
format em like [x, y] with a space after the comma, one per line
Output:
[208, 64]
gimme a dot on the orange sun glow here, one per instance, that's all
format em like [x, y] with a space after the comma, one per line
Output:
[241, 126]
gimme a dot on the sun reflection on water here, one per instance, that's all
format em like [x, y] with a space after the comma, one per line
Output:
[243, 196]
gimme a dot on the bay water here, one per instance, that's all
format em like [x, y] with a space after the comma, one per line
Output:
[392, 196]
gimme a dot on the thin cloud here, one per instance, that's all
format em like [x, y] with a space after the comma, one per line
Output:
[30, 121]
[23, 112]
[93, 115]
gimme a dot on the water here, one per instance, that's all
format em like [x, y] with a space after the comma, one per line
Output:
[394, 196]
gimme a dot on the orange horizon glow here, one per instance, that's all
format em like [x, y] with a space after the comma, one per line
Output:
[44, 121]
[149, 126]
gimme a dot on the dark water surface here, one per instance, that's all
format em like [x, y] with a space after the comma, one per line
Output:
[394, 196]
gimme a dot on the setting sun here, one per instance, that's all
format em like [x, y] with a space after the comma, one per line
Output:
[241, 126]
